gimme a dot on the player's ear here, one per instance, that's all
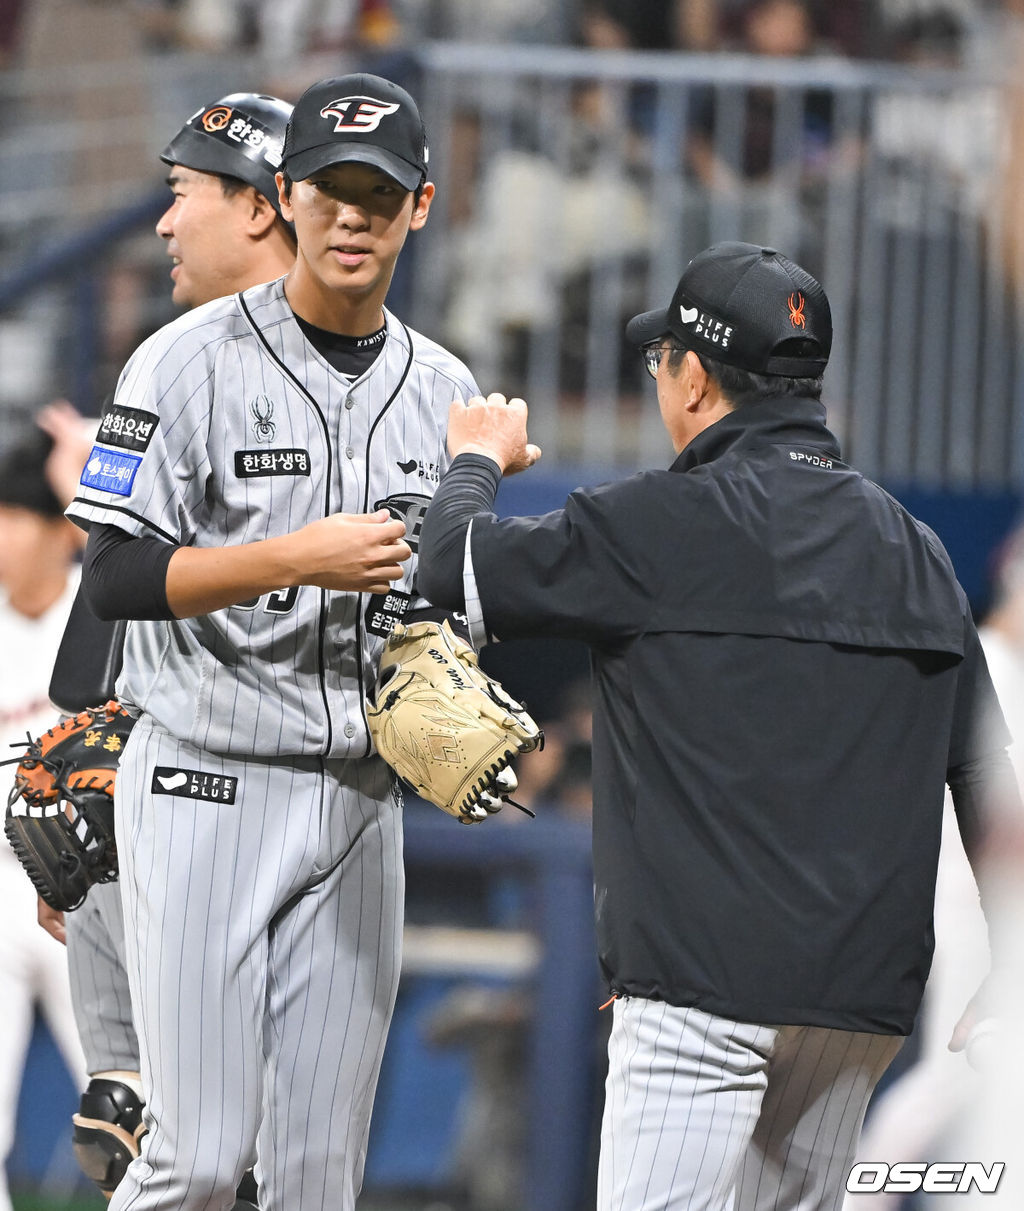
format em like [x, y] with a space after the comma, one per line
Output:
[284, 197]
[262, 216]
[422, 207]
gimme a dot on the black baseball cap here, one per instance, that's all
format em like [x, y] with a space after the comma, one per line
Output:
[241, 135]
[360, 118]
[746, 306]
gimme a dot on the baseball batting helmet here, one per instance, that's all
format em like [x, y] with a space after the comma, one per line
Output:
[241, 135]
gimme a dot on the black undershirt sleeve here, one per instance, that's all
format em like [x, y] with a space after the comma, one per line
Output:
[124, 576]
[468, 488]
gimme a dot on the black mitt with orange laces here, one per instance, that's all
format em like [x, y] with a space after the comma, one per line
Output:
[60, 813]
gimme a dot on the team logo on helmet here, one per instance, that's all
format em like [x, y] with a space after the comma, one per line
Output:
[216, 118]
[359, 115]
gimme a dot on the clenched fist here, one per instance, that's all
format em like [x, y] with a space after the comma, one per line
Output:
[494, 427]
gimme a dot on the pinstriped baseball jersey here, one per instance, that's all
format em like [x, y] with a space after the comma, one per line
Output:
[228, 427]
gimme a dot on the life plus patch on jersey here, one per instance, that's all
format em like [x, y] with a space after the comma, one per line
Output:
[108, 471]
[384, 610]
[428, 471]
[129, 428]
[409, 507]
[193, 784]
[250, 464]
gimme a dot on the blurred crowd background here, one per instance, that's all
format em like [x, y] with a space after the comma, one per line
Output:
[583, 151]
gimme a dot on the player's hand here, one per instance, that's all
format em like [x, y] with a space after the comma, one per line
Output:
[961, 1031]
[352, 552]
[978, 1031]
[72, 443]
[495, 427]
[52, 920]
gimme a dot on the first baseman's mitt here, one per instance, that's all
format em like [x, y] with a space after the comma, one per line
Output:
[443, 725]
[60, 814]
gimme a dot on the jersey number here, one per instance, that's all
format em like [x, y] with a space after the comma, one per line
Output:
[281, 601]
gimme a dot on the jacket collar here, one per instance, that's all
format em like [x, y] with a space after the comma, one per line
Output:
[768, 422]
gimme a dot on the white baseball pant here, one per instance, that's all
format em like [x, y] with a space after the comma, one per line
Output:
[706, 1114]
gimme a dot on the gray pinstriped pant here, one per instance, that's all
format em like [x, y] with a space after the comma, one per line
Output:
[262, 948]
[99, 982]
[706, 1114]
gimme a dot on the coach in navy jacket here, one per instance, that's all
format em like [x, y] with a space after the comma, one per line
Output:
[787, 676]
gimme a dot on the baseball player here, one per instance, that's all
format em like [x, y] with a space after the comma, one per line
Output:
[786, 676]
[38, 578]
[224, 233]
[257, 523]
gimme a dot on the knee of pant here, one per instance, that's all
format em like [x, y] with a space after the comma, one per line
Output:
[108, 1127]
[205, 1178]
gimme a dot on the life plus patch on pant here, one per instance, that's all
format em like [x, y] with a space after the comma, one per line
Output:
[193, 784]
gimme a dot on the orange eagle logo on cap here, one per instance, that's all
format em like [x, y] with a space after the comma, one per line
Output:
[796, 310]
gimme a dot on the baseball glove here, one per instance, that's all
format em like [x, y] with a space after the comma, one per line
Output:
[60, 813]
[444, 726]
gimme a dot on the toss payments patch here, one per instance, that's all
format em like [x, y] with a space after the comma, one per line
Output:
[193, 784]
[108, 471]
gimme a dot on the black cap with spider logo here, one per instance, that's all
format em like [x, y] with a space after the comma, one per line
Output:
[746, 306]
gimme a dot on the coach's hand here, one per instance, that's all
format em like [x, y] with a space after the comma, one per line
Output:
[494, 427]
[351, 552]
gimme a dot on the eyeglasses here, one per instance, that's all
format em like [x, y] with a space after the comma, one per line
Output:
[653, 354]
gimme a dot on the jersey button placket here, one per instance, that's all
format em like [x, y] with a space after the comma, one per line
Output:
[350, 403]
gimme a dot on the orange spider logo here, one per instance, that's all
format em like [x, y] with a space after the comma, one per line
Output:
[796, 311]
